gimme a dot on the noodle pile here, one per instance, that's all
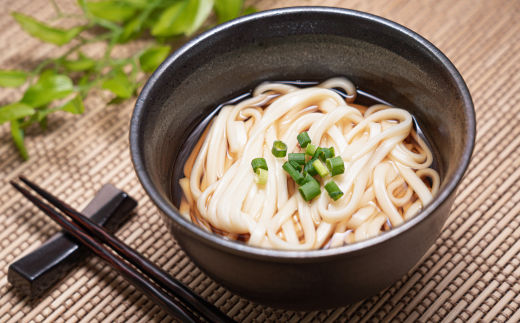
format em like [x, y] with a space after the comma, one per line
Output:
[387, 179]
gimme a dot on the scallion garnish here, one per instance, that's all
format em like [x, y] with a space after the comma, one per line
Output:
[335, 165]
[279, 149]
[310, 190]
[261, 176]
[304, 139]
[306, 179]
[320, 168]
[326, 153]
[310, 150]
[317, 152]
[309, 168]
[334, 192]
[296, 166]
[298, 158]
[258, 163]
[296, 176]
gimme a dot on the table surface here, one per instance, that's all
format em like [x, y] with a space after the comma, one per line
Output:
[471, 273]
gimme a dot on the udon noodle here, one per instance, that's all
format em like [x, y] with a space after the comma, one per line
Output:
[387, 179]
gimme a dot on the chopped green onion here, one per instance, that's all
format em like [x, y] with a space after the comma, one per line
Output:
[306, 179]
[261, 176]
[259, 163]
[334, 192]
[332, 151]
[326, 153]
[336, 165]
[309, 168]
[279, 149]
[296, 176]
[310, 190]
[317, 152]
[304, 139]
[320, 168]
[296, 166]
[297, 157]
[310, 150]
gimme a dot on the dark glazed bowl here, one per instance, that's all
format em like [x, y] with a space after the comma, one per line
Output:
[313, 43]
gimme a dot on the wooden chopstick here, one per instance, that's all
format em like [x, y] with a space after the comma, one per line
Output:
[131, 275]
[204, 308]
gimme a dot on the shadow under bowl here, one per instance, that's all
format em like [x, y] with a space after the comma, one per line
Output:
[311, 43]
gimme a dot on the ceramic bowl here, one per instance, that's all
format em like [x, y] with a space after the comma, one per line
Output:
[310, 43]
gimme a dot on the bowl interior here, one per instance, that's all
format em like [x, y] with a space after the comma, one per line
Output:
[381, 57]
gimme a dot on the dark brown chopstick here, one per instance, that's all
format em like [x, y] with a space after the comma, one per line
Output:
[131, 275]
[150, 269]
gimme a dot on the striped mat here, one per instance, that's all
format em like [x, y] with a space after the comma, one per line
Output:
[471, 273]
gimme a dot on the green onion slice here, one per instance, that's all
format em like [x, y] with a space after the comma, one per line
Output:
[317, 152]
[279, 149]
[310, 190]
[259, 163]
[326, 153]
[304, 139]
[334, 192]
[261, 176]
[335, 165]
[296, 176]
[320, 168]
[296, 166]
[306, 179]
[310, 150]
[309, 168]
[298, 158]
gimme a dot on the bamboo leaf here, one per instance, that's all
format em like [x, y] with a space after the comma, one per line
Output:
[12, 78]
[184, 17]
[83, 63]
[49, 87]
[153, 57]
[74, 106]
[168, 25]
[18, 138]
[119, 84]
[115, 11]
[44, 32]
[227, 9]
[15, 111]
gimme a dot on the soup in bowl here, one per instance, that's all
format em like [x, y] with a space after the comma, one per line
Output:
[389, 65]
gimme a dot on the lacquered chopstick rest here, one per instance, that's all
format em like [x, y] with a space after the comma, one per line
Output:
[38, 270]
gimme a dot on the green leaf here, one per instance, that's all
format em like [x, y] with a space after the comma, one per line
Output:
[119, 84]
[199, 10]
[44, 32]
[49, 87]
[83, 63]
[166, 25]
[15, 111]
[184, 17]
[153, 57]
[131, 29]
[74, 106]
[18, 136]
[12, 78]
[227, 9]
[249, 10]
[116, 11]
[139, 4]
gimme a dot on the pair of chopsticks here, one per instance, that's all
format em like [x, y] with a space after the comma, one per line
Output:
[150, 279]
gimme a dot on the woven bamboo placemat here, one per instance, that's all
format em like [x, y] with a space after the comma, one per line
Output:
[471, 273]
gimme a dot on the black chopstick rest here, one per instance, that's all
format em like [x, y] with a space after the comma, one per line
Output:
[38, 270]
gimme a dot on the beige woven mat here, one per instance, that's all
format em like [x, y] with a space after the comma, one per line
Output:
[471, 274]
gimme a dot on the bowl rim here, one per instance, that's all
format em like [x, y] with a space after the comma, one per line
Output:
[166, 205]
